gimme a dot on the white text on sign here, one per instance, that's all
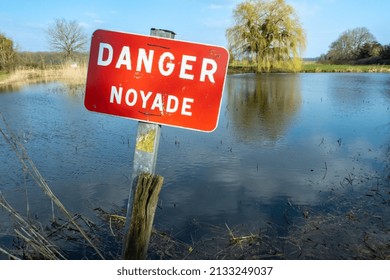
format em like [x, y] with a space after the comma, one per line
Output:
[144, 60]
[152, 101]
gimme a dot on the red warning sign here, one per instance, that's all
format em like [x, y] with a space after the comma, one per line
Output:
[156, 79]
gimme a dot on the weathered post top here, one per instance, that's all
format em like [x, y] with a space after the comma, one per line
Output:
[162, 33]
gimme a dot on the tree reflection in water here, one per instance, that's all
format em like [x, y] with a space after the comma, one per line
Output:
[261, 107]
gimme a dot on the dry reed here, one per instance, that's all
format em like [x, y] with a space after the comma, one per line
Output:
[29, 232]
[66, 73]
[37, 244]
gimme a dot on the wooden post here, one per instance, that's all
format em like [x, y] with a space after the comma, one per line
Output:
[141, 207]
[146, 197]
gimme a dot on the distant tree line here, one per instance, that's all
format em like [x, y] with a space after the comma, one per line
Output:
[7, 54]
[42, 60]
[357, 46]
[66, 38]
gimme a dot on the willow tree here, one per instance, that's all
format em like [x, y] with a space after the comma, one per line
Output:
[269, 32]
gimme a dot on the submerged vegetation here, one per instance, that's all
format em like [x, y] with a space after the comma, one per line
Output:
[360, 222]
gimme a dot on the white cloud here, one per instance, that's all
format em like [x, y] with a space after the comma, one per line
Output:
[216, 23]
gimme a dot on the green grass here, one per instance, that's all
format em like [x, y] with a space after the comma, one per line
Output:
[335, 68]
[313, 67]
[3, 75]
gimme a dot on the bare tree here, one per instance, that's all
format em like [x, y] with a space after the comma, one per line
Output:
[349, 44]
[67, 37]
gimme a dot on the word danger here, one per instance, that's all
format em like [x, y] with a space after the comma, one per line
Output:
[144, 61]
[164, 103]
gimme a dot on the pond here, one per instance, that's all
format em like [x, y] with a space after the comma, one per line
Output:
[284, 143]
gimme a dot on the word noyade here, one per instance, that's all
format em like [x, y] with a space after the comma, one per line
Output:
[164, 103]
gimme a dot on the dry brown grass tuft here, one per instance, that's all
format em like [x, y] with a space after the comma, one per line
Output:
[67, 73]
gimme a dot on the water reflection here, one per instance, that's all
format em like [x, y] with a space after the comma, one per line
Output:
[261, 107]
[6, 88]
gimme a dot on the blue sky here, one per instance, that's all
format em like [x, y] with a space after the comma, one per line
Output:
[203, 21]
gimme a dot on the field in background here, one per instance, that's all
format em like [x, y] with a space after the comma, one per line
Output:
[313, 67]
[68, 73]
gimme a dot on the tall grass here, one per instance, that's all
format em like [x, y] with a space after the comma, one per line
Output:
[67, 73]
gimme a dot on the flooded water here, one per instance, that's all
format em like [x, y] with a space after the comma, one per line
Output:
[282, 140]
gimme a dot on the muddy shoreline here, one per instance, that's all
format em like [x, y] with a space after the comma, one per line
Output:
[357, 227]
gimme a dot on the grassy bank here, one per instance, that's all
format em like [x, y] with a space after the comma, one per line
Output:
[67, 73]
[313, 67]
[335, 68]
